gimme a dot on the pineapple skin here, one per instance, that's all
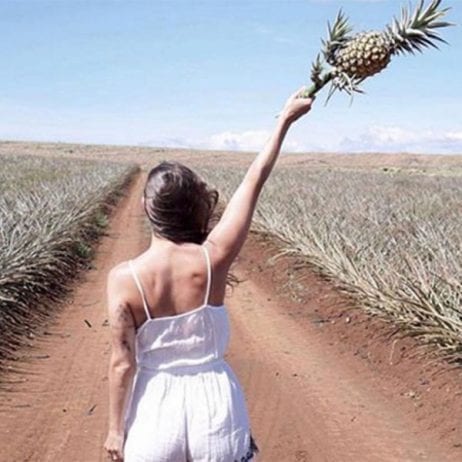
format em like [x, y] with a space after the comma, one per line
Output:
[362, 56]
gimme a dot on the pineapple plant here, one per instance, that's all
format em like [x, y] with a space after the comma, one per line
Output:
[353, 58]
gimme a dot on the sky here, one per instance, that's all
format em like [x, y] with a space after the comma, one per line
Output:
[212, 74]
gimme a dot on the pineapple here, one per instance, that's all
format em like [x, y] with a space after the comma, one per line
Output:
[365, 55]
[354, 58]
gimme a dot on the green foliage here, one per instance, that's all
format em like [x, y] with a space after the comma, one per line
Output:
[83, 250]
[101, 219]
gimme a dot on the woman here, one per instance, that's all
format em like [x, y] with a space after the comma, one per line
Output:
[172, 397]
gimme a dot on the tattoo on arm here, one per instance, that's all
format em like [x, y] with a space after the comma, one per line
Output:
[124, 316]
[126, 344]
[123, 322]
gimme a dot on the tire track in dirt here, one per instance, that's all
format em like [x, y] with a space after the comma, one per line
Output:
[305, 403]
[338, 405]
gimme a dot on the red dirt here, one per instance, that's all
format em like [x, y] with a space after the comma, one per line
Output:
[378, 393]
[317, 390]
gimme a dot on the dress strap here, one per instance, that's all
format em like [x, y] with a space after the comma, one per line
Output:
[140, 288]
[209, 274]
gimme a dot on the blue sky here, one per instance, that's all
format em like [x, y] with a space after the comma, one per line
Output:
[212, 74]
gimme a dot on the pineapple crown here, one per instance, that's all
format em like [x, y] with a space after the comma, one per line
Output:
[416, 31]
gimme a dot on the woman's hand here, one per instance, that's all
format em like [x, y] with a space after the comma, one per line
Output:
[296, 106]
[114, 446]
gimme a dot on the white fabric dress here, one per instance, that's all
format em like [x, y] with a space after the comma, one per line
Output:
[186, 403]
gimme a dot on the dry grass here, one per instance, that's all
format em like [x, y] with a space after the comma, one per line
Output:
[51, 212]
[391, 240]
[147, 157]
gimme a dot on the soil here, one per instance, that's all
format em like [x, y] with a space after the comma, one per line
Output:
[149, 156]
[323, 380]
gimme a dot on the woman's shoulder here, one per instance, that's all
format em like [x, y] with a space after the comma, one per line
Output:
[121, 284]
[119, 272]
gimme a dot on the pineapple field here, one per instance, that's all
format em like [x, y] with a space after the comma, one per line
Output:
[347, 313]
[51, 213]
[390, 239]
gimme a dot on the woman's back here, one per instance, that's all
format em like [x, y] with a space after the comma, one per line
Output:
[195, 336]
[174, 279]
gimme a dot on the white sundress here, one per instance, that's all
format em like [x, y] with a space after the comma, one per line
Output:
[186, 403]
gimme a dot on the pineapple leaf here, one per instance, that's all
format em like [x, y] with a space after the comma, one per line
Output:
[332, 89]
[337, 33]
[417, 12]
[317, 69]
[436, 25]
[416, 31]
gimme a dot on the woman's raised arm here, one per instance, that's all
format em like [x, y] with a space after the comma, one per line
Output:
[229, 234]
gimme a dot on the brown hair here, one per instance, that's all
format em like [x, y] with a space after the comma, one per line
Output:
[179, 204]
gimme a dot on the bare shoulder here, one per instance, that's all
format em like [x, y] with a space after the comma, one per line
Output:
[118, 269]
[118, 276]
[119, 296]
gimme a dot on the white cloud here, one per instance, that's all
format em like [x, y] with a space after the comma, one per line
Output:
[454, 136]
[171, 142]
[377, 138]
[397, 139]
[250, 140]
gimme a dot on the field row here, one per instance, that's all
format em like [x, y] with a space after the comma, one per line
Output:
[390, 239]
[51, 212]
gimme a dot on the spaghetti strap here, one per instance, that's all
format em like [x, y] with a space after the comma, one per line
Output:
[209, 274]
[140, 288]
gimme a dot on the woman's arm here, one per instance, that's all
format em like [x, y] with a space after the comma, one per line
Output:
[229, 234]
[122, 365]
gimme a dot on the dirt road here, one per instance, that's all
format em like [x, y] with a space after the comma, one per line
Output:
[307, 402]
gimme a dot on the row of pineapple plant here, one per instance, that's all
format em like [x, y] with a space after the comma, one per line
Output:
[52, 211]
[391, 241]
